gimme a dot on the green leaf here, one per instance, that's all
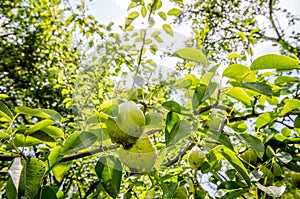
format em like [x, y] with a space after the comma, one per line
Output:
[293, 166]
[43, 137]
[273, 191]
[181, 129]
[198, 96]
[32, 112]
[171, 190]
[109, 172]
[234, 194]
[180, 2]
[11, 191]
[5, 112]
[240, 95]
[297, 122]
[61, 169]
[54, 157]
[53, 131]
[30, 180]
[285, 79]
[290, 105]
[78, 142]
[162, 15]
[131, 17]
[53, 114]
[132, 5]
[219, 137]
[48, 192]
[235, 162]
[143, 11]
[3, 135]
[38, 126]
[273, 61]
[172, 126]
[264, 119]
[174, 11]
[70, 19]
[191, 54]
[174, 106]
[167, 28]
[21, 141]
[236, 71]
[253, 142]
[257, 87]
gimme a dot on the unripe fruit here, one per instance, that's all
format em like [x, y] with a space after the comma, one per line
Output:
[141, 157]
[128, 126]
[296, 179]
[196, 158]
[249, 156]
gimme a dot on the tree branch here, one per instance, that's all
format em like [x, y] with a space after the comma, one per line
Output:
[179, 156]
[87, 153]
[216, 105]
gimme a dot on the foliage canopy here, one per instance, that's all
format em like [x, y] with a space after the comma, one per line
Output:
[65, 79]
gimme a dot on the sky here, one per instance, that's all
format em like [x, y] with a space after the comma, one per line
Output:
[116, 10]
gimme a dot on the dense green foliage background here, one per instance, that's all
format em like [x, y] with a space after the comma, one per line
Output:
[61, 73]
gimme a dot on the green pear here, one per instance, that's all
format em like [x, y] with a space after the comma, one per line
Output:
[141, 157]
[249, 156]
[196, 158]
[127, 126]
[296, 179]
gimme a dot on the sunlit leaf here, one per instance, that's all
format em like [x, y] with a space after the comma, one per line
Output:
[290, 105]
[39, 125]
[191, 54]
[174, 11]
[273, 61]
[167, 28]
[5, 112]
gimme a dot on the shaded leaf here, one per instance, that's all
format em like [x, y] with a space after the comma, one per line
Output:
[109, 172]
[174, 106]
[78, 142]
[234, 194]
[253, 142]
[257, 87]
[219, 137]
[30, 180]
[235, 162]
[47, 192]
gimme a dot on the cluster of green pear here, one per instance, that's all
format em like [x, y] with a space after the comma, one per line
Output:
[136, 149]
